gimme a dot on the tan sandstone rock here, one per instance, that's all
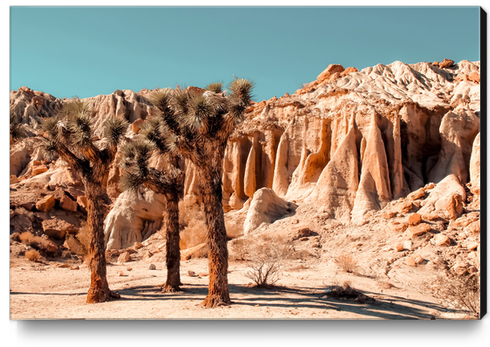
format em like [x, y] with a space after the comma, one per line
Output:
[266, 207]
[418, 230]
[68, 204]
[57, 228]
[46, 203]
[414, 219]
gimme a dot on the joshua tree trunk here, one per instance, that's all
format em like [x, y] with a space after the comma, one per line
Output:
[218, 293]
[173, 246]
[99, 288]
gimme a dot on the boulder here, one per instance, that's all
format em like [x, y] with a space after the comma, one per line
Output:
[68, 204]
[408, 245]
[420, 229]
[36, 170]
[199, 251]
[57, 228]
[327, 74]
[46, 203]
[414, 219]
[442, 240]
[74, 245]
[266, 207]
[418, 259]
[446, 63]
[443, 199]
[124, 257]
[125, 223]
[454, 206]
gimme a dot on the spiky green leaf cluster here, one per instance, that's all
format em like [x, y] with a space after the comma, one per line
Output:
[16, 130]
[216, 87]
[114, 129]
[135, 162]
[80, 127]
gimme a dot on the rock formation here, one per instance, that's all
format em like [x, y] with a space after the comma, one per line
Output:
[342, 147]
[266, 207]
[133, 218]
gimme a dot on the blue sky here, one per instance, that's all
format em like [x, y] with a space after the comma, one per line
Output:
[87, 51]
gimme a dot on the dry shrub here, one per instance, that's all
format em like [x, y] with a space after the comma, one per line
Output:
[32, 254]
[238, 250]
[347, 263]
[267, 261]
[192, 224]
[459, 292]
[29, 239]
[83, 236]
[346, 292]
[79, 244]
[28, 214]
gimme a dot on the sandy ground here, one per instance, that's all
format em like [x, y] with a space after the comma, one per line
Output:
[42, 290]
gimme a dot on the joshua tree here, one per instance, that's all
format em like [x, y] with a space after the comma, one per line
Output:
[16, 131]
[70, 136]
[169, 182]
[197, 123]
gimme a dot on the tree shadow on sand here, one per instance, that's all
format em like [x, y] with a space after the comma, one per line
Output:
[382, 307]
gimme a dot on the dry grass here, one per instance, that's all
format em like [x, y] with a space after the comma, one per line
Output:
[459, 292]
[347, 263]
[29, 239]
[79, 243]
[32, 254]
[84, 238]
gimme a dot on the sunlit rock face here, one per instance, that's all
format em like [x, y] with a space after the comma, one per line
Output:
[344, 145]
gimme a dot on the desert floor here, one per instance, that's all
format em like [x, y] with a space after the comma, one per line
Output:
[44, 290]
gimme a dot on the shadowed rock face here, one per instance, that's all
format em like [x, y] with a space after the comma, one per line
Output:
[344, 145]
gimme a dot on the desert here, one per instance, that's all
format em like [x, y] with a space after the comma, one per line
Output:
[355, 197]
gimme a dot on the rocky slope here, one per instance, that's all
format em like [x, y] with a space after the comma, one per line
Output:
[352, 153]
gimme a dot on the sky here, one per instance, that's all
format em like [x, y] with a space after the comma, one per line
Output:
[87, 51]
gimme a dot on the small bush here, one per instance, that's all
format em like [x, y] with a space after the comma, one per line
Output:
[346, 292]
[238, 250]
[32, 254]
[347, 263]
[460, 292]
[79, 244]
[267, 263]
[29, 239]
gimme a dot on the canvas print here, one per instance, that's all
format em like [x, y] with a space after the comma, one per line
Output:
[315, 163]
